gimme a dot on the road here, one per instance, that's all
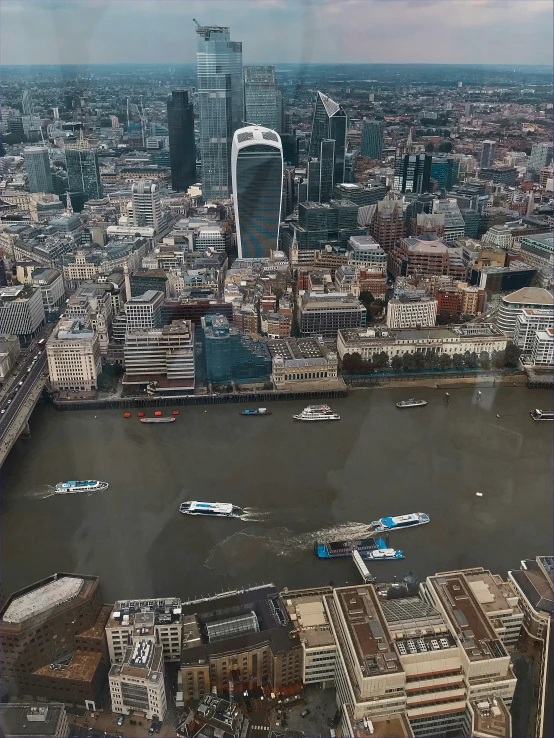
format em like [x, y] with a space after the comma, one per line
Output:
[30, 368]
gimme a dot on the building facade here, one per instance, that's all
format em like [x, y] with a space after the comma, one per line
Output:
[137, 684]
[408, 312]
[262, 98]
[144, 311]
[302, 360]
[83, 174]
[257, 175]
[412, 173]
[182, 147]
[329, 122]
[147, 210]
[512, 306]
[74, 357]
[21, 311]
[325, 314]
[39, 173]
[372, 138]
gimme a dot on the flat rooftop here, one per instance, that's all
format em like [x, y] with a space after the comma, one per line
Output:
[146, 297]
[492, 593]
[30, 719]
[82, 668]
[535, 582]
[127, 613]
[42, 599]
[476, 634]
[491, 717]
[368, 630]
[307, 613]
[529, 296]
[295, 348]
[388, 726]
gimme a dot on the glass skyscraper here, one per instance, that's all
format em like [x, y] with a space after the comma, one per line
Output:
[39, 174]
[257, 174]
[220, 106]
[372, 138]
[83, 174]
[262, 98]
[182, 149]
[412, 173]
[330, 121]
[321, 172]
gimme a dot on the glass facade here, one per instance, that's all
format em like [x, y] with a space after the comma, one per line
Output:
[330, 122]
[232, 356]
[258, 184]
[180, 119]
[220, 106]
[372, 138]
[83, 174]
[262, 98]
[39, 174]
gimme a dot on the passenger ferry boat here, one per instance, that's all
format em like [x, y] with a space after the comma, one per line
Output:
[215, 509]
[259, 411]
[385, 554]
[340, 549]
[411, 403]
[542, 415]
[400, 521]
[317, 412]
[157, 420]
[89, 485]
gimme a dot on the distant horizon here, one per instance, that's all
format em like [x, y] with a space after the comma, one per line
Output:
[284, 64]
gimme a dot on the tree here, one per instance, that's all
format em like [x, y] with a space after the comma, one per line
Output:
[445, 361]
[429, 147]
[444, 317]
[367, 298]
[381, 360]
[431, 360]
[471, 360]
[458, 361]
[512, 354]
[396, 363]
[408, 362]
[445, 146]
[498, 359]
[484, 360]
[419, 360]
[352, 362]
[104, 381]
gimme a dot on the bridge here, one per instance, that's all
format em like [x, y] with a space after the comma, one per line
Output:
[19, 400]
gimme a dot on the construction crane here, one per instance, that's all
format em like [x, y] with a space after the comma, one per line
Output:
[197, 23]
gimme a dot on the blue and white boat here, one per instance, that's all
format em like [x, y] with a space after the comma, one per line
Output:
[341, 549]
[400, 521]
[89, 485]
[384, 554]
[213, 509]
[259, 411]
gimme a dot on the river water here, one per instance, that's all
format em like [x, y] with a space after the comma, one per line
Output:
[299, 482]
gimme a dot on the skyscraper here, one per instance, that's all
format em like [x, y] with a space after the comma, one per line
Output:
[541, 156]
[27, 103]
[83, 174]
[320, 172]
[146, 204]
[257, 174]
[412, 173]
[39, 173]
[262, 98]
[329, 122]
[182, 149]
[488, 153]
[220, 105]
[372, 138]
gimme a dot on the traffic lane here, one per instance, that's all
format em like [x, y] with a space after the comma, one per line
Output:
[23, 376]
[23, 373]
[19, 398]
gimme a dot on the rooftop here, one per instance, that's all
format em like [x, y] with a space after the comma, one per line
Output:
[30, 719]
[81, 668]
[125, 612]
[492, 593]
[530, 296]
[387, 726]
[492, 717]
[42, 599]
[146, 297]
[535, 581]
[17, 292]
[307, 613]
[373, 335]
[296, 348]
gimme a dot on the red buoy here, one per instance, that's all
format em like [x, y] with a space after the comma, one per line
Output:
[175, 412]
[126, 415]
[158, 413]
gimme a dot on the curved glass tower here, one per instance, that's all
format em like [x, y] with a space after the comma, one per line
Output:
[257, 176]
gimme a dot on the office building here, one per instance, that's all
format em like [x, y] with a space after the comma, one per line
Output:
[240, 641]
[144, 280]
[538, 252]
[298, 361]
[488, 153]
[542, 349]
[453, 225]
[147, 209]
[372, 138]
[364, 251]
[359, 194]
[434, 339]
[137, 684]
[425, 255]
[215, 716]
[21, 311]
[160, 360]
[182, 147]
[473, 299]
[50, 283]
[39, 173]
[325, 314]
[74, 358]
[91, 304]
[512, 306]
[257, 174]
[408, 312]
[321, 172]
[144, 311]
[27, 103]
[499, 174]
[387, 224]
[412, 173]
[52, 641]
[83, 174]
[329, 122]
[541, 156]
[220, 106]
[32, 719]
[232, 356]
[262, 98]
[443, 171]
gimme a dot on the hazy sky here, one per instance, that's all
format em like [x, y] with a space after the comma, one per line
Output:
[273, 31]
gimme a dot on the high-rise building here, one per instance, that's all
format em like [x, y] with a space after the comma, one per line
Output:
[387, 224]
[372, 138]
[488, 153]
[220, 106]
[27, 103]
[147, 209]
[182, 149]
[321, 172]
[21, 311]
[541, 156]
[257, 175]
[39, 174]
[144, 311]
[262, 98]
[83, 174]
[329, 122]
[412, 173]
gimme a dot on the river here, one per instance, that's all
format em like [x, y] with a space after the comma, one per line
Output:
[299, 482]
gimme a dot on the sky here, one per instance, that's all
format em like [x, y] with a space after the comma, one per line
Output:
[277, 31]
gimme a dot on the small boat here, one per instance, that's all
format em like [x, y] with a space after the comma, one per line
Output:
[400, 521]
[89, 485]
[259, 411]
[126, 415]
[542, 414]
[317, 412]
[341, 549]
[411, 403]
[157, 420]
[158, 413]
[384, 554]
[141, 413]
[175, 412]
[214, 509]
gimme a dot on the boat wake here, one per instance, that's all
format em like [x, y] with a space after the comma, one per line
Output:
[239, 549]
[254, 515]
[42, 493]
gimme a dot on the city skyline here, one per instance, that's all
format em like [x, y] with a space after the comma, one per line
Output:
[360, 31]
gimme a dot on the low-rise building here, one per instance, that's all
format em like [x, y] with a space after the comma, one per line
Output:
[50, 283]
[33, 719]
[137, 684]
[144, 311]
[364, 251]
[326, 314]
[215, 716]
[411, 310]
[542, 349]
[528, 323]
[472, 337]
[512, 306]
[21, 311]
[74, 358]
[302, 360]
